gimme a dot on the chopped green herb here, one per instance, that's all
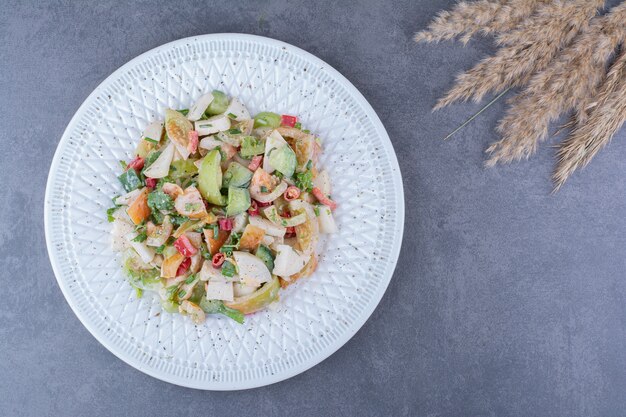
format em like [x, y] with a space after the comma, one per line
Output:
[204, 251]
[158, 200]
[306, 131]
[160, 249]
[157, 217]
[177, 220]
[147, 139]
[124, 165]
[298, 125]
[228, 251]
[182, 293]
[304, 181]
[316, 209]
[234, 131]
[232, 116]
[141, 237]
[152, 156]
[263, 189]
[215, 228]
[184, 112]
[309, 164]
[110, 212]
[191, 278]
[228, 269]
[284, 223]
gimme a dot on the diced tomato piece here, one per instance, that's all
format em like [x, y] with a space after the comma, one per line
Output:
[218, 260]
[254, 208]
[183, 267]
[287, 120]
[136, 163]
[184, 246]
[151, 182]
[255, 163]
[291, 231]
[225, 224]
[291, 193]
[323, 198]
[138, 210]
[192, 146]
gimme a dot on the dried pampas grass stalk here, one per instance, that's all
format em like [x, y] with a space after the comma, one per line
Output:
[573, 77]
[465, 20]
[482, 16]
[606, 118]
[511, 15]
[529, 48]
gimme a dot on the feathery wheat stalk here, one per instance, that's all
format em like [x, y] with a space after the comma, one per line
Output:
[604, 120]
[530, 48]
[482, 16]
[574, 76]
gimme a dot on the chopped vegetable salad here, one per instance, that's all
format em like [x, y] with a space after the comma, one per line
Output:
[221, 209]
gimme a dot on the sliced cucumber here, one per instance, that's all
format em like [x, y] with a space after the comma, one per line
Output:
[210, 178]
[183, 168]
[251, 146]
[283, 160]
[236, 175]
[267, 119]
[219, 103]
[238, 201]
[265, 254]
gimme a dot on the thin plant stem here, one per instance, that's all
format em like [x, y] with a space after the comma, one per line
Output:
[468, 121]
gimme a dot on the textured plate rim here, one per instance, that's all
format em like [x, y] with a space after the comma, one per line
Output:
[339, 341]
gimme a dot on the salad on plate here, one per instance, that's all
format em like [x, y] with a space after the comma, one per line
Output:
[221, 210]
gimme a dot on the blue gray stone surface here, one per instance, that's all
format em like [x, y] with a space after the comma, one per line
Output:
[507, 301]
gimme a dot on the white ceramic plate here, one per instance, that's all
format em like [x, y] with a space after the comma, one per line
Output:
[314, 317]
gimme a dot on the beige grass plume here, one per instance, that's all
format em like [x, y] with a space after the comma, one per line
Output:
[467, 19]
[604, 120]
[529, 48]
[571, 78]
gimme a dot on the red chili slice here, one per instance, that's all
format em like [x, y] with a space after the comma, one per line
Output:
[184, 246]
[151, 182]
[225, 224]
[287, 120]
[218, 259]
[323, 198]
[291, 193]
[136, 163]
[183, 267]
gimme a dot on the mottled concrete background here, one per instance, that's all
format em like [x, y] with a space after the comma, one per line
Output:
[506, 301]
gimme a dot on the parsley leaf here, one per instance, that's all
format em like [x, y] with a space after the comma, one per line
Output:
[158, 200]
[110, 213]
[304, 181]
